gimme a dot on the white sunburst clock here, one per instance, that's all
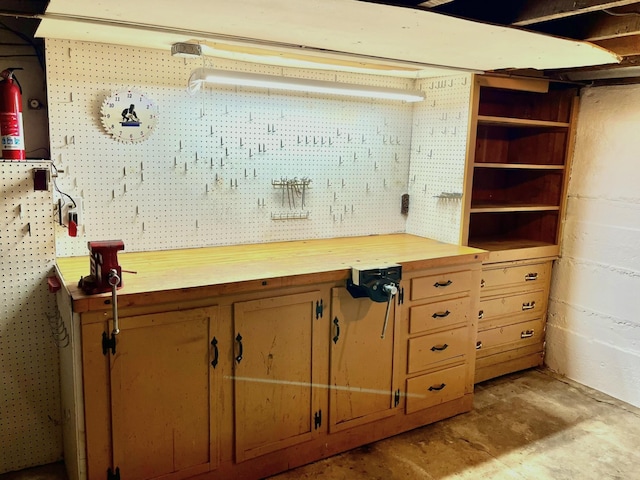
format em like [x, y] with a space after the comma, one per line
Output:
[129, 116]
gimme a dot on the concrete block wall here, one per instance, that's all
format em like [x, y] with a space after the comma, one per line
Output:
[593, 332]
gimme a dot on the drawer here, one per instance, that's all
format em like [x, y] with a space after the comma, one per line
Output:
[435, 388]
[440, 284]
[529, 304]
[517, 335]
[432, 316]
[533, 276]
[429, 350]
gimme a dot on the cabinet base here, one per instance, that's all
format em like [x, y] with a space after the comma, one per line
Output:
[503, 363]
[323, 446]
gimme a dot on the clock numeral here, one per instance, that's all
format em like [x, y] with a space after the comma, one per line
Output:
[129, 95]
[111, 105]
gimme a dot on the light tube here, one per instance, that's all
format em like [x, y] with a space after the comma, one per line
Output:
[247, 79]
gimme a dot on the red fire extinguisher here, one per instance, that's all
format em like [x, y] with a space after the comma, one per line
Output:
[11, 130]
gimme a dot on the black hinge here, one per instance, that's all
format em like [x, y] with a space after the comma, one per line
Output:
[113, 476]
[108, 342]
[319, 309]
[400, 296]
[317, 419]
[396, 398]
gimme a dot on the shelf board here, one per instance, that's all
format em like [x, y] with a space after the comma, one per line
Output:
[518, 166]
[513, 207]
[495, 244]
[505, 250]
[519, 122]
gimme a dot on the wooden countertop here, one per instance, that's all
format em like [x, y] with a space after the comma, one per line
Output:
[198, 272]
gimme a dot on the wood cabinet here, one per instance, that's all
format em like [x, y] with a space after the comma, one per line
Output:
[439, 332]
[160, 411]
[518, 169]
[512, 317]
[362, 382]
[271, 374]
[276, 373]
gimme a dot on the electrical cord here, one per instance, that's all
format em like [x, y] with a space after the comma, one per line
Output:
[615, 14]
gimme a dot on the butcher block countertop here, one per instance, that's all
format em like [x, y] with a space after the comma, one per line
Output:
[213, 271]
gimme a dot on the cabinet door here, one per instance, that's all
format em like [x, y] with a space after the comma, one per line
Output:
[361, 362]
[160, 379]
[275, 400]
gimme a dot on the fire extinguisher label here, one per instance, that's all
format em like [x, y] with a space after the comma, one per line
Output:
[11, 131]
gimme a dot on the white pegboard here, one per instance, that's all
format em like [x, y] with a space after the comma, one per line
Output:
[438, 158]
[30, 432]
[204, 177]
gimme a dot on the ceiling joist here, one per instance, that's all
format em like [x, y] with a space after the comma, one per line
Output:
[538, 11]
[613, 25]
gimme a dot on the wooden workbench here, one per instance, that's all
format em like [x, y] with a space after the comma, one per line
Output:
[192, 273]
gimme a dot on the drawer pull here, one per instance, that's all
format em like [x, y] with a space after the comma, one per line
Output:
[439, 348]
[216, 354]
[441, 314]
[440, 284]
[437, 388]
[527, 334]
[240, 349]
[529, 306]
[530, 277]
[478, 345]
[480, 314]
[482, 283]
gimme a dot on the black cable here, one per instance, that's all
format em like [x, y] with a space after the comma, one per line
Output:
[28, 40]
[60, 191]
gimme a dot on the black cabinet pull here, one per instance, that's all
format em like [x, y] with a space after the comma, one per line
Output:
[214, 344]
[440, 284]
[436, 388]
[439, 348]
[441, 314]
[530, 277]
[240, 349]
[337, 335]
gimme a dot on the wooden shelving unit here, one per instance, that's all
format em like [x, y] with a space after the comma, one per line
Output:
[515, 195]
[517, 167]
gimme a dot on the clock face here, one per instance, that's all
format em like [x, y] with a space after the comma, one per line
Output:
[129, 116]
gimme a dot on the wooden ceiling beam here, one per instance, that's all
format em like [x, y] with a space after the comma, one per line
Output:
[537, 11]
[613, 26]
[623, 46]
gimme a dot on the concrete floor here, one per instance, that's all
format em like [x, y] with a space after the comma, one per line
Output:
[530, 425]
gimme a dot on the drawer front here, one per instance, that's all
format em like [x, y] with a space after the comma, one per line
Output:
[429, 350]
[534, 276]
[435, 388]
[524, 304]
[441, 284]
[432, 316]
[518, 334]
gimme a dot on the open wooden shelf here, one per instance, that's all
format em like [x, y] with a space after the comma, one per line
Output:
[519, 122]
[515, 207]
[521, 166]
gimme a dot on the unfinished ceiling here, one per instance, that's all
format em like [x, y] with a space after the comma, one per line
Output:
[374, 33]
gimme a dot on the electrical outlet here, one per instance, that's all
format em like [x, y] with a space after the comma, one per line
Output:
[68, 207]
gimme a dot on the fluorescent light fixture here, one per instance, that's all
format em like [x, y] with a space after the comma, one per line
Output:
[246, 79]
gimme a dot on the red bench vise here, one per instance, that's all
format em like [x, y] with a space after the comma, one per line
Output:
[104, 259]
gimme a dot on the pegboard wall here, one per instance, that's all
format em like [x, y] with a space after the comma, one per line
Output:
[228, 165]
[438, 158]
[30, 432]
